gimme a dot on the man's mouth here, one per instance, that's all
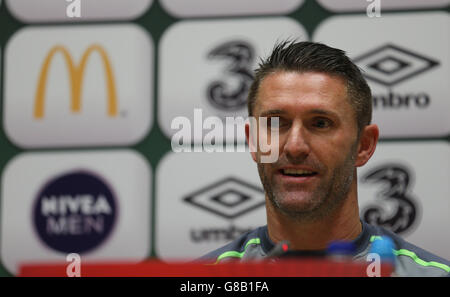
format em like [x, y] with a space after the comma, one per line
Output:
[297, 172]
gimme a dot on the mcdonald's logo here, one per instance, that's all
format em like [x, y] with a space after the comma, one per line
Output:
[76, 74]
[67, 94]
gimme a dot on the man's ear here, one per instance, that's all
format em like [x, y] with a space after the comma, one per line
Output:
[251, 139]
[367, 144]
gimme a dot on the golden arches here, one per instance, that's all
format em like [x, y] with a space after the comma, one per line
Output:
[76, 79]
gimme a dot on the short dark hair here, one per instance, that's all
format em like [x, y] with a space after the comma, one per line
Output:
[316, 57]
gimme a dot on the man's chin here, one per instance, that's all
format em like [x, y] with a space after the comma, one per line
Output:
[300, 203]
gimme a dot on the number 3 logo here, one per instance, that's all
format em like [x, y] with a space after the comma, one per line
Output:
[396, 191]
[240, 56]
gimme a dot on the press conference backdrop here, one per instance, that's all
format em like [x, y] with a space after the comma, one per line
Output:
[89, 90]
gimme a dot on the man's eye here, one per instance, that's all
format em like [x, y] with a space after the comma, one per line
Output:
[322, 123]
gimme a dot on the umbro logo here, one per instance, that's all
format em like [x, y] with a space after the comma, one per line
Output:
[390, 64]
[228, 198]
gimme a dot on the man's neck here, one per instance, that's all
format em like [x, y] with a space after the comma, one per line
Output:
[342, 224]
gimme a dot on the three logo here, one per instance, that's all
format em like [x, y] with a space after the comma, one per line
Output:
[240, 56]
[396, 191]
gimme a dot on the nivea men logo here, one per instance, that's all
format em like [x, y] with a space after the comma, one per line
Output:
[230, 93]
[396, 208]
[390, 65]
[228, 198]
[75, 212]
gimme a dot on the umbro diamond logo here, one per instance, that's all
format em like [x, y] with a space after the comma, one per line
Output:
[229, 198]
[391, 64]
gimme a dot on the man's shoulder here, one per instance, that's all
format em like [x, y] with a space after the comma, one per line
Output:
[412, 260]
[238, 248]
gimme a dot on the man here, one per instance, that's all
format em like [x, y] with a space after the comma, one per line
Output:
[324, 107]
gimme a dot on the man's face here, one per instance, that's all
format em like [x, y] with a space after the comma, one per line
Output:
[317, 142]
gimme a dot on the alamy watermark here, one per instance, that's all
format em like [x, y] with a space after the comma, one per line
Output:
[74, 267]
[73, 9]
[374, 8]
[374, 267]
[190, 137]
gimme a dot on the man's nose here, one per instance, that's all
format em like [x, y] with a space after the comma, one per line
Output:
[297, 146]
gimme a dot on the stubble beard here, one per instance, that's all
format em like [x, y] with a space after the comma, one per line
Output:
[323, 201]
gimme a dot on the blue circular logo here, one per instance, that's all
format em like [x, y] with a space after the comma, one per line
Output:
[75, 212]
